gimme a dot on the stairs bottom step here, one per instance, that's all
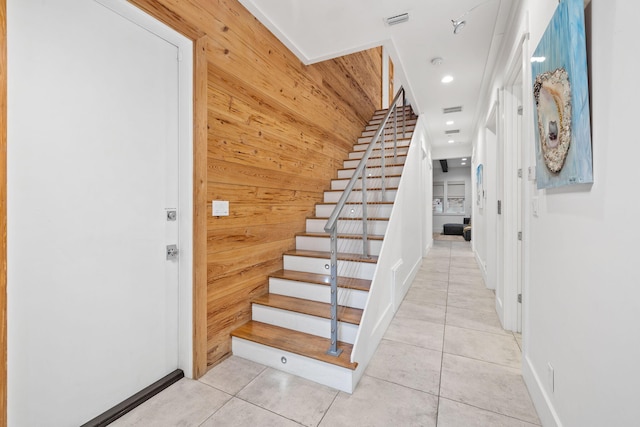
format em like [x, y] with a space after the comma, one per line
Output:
[297, 353]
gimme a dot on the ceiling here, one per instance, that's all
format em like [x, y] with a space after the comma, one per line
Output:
[316, 30]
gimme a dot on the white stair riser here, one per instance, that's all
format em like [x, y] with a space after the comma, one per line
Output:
[389, 132]
[387, 151]
[347, 164]
[356, 196]
[341, 184]
[314, 292]
[387, 144]
[359, 270]
[374, 171]
[349, 246]
[303, 322]
[355, 211]
[314, 370]
[368, 136]
[409, 125]
[379, 227]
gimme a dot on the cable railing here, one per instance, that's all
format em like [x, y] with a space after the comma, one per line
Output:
[374, 190]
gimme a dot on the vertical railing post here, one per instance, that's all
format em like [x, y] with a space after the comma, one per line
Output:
[333, 349]
[365, 231]
[382, 171]
[404, 116]
[395, 132]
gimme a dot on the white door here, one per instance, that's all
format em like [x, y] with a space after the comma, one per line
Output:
[92, 170]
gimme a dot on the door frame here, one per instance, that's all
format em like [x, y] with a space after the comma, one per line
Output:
[185, 169]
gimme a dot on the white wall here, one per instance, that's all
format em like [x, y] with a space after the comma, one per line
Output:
[582, 299]
[454, 174]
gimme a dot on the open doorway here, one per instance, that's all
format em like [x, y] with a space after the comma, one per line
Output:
[452, 197]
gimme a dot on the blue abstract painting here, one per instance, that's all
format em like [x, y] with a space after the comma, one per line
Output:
[561, 100]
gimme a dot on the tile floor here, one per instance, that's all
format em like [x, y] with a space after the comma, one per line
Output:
[444, 361]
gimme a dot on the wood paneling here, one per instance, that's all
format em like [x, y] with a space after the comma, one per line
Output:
[277, 131]
[3, 213]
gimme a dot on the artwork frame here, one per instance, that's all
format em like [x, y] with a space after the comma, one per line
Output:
[561, 107]
[480, 186]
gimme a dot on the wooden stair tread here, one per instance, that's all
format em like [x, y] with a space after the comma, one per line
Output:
[295, 342]
[350, 218]
[342, 236]
[312, 308]
[322, 279]
[368, 189]
[355, 203]
[373, 259]
[368, 177]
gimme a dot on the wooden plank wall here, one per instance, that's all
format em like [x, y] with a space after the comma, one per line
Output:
[277, 130]
[3, 213]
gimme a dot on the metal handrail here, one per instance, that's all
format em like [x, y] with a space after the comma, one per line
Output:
[332, 224]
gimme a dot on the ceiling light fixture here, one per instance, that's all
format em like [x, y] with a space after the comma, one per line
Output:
[458, 24]
[464, 159]
[437, 61]
[463, 164]
[451, 141]
[447, 79]
[450, 122]
[398, 19]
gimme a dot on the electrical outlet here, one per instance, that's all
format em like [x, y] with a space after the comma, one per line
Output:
[551, 377]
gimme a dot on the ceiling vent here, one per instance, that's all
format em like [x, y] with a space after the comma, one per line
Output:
[449, 110]
[444, 165]
[452, 131]
[398, 19]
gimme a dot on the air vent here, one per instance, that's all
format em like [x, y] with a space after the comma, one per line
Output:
[398, 19]
[449, 110]
[452, 131]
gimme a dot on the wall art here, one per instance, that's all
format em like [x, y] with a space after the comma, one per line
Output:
[561, 100]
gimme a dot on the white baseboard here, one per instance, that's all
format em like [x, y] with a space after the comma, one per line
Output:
[541, 401]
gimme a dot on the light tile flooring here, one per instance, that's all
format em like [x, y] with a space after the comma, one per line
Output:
[444, 361]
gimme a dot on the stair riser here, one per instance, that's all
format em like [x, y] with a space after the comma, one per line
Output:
[389, 133]
[314, 370]
[372, 181]
[348, 164]
[409, 126]
[407, 113]
[387, 144]
[377, 171]
[356, 196]
[303, 323]
[359, 270]
[368, 136]
[378, 227]
[314, 292]
[350, 246]
[387, 151]
[355, 211]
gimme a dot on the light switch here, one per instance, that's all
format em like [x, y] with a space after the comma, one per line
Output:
[220, 208]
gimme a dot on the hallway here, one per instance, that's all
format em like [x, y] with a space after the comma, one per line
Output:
[444, 361]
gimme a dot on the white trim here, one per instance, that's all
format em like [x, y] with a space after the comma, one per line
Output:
[541, 400]
[185, 208]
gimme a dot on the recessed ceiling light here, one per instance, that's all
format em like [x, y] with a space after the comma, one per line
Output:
[450, 122]
[463, 163]
[464, 160]
[447, 79]
[451, 141]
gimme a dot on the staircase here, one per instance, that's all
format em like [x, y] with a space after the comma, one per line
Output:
[290, 328]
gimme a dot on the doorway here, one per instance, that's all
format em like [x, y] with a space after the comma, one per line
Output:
[99, 185]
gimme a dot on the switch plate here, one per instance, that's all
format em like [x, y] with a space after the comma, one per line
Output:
[220, 208]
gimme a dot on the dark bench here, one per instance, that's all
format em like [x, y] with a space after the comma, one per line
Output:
[454, 229]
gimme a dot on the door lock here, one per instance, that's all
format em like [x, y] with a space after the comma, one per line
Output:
[172, 252]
